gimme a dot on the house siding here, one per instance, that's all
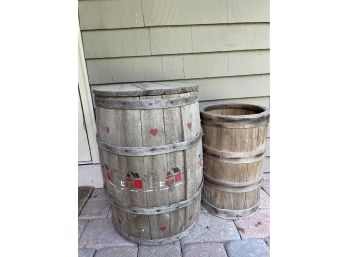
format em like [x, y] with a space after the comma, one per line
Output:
[222, 45]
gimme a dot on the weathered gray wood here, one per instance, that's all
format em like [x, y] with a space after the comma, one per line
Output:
[174, 133]
[144, 104]
[144, 89]
[149, 150]
[232, 157]
[155, 197]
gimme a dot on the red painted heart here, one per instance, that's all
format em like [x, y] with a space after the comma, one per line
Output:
[162, 228]
[154, 131]
[189, 125]
[108, 175]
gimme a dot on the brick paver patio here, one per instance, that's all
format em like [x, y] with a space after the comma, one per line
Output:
[211, 237]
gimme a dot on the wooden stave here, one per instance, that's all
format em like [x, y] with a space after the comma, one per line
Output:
[229, 214]
[237, 119]
[194, 146]
[161, 241]
[218, 155]
[232, 193]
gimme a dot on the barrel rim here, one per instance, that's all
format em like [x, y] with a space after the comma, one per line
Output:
[140, 89]
[263, 115]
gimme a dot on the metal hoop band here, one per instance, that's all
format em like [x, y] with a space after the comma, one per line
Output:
[229, 189]
[229, 214]
[235, 155]
[155, 210]
[145, 104]
[161, 241]
[232, 184]
[150, 150]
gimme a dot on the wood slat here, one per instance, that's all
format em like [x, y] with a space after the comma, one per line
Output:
[171, 40]
[248, 11]
[181, 12]
[96, 14]
[115, 43]
[233, 87]
[230, 37]
[263, 101]
[175, 40]
[122, 70]
[125, 70]
[110, 14]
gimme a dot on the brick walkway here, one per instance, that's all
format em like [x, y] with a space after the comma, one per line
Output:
[211, 236]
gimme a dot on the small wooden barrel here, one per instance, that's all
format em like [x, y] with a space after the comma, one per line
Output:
[234, 137]
[150, 146]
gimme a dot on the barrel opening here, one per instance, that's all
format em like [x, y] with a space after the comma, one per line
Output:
[235, 110]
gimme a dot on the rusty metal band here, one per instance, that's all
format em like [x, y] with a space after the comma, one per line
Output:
[155, 210]
[229, 189]
[233, 155]
[144, 104]
[148, 150]
[229, 214]
[162, 241]
[232, 184]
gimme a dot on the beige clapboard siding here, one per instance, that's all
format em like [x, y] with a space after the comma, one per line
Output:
[97, 14]
[189, 66]
[233, 87]
[230, 87]
[180, 12]
[230, 37]
[110, 14]
[175, 40]
[110, 43]
[266, 164]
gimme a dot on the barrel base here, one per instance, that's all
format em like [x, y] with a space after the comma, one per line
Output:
[162, 241]
[229, 214]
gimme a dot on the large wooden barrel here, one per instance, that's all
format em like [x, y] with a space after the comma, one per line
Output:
[149, 140]
[234, 137]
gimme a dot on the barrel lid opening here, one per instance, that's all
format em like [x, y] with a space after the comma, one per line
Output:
[235, 112]
[144, 89]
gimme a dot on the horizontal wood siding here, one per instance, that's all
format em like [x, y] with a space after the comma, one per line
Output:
[114, 14]
[175, 67]
[222, 45]
[175, 40]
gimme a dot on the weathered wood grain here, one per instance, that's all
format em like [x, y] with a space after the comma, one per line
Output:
[231, 188]
[144, 89]
[148, 191]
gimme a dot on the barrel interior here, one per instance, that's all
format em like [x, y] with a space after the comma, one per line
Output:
[237, 110]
